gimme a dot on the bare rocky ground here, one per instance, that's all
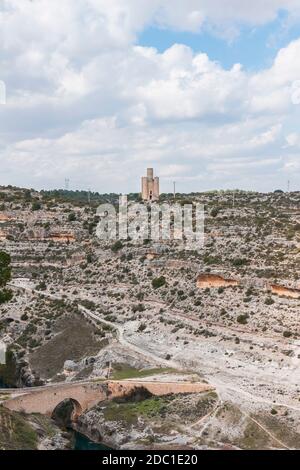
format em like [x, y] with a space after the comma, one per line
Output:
[243, 339]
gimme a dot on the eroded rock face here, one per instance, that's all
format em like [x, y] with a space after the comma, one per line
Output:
[151, 255]
[3, 235]
[205, 281]
[57, 237]
[5, 217]
[137, 394]
[70, 366]
[285, 291]
[62, 237]
[17, 372]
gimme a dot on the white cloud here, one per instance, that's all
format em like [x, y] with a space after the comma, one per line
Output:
[85, 101]
[190, 86]
[293, 139]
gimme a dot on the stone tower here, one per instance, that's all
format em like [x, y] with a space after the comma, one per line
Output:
[150, 186]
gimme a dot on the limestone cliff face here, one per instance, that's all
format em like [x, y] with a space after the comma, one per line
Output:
[205, 281]
[285, 291]
[93, 425]
[5, 217]
[61, 237]
[3, 235]
[17, 372]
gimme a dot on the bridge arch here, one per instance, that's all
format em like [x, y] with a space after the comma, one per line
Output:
[67, 412]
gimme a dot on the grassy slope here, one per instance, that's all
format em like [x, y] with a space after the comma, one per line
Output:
[22, 432]
[123, 371]
[16, 433]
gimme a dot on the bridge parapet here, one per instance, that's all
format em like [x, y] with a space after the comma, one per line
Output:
[45, 399]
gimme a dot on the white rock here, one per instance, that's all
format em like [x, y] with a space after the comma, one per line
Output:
[70, 366]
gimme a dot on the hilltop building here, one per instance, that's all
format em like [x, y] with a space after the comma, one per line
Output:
[150, 186]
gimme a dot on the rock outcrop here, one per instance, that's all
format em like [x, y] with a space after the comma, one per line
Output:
[285, 291]
[205, 281]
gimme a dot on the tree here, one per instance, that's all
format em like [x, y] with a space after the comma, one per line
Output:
[159, 282]
[89, 258]
[269, 301]
[237, 262]
[72, 217]
[214, 212]
[118, 245]
[36, 206]
[5, 271]
[287, 334]
[5, 277]
[242, 319]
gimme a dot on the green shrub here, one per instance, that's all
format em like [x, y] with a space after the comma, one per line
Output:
[158, 282]
[138, 308]
[5, 271]
[239, 262]
[5, 296]
[5, 276]
[36, 206]
[142, 327]
[41, 286]
[72, 217]
[117, 246]
[214, 212]
[287, 334]
[242, 319]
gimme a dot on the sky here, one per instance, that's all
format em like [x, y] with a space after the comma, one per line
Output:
[205, 91]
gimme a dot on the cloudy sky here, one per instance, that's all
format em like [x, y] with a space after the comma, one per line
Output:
[205, 91]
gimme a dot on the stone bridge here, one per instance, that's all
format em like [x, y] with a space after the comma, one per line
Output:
[84, 396]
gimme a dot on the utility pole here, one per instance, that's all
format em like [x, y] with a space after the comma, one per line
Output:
[109, 370]
[89, 196]
[67, 184]
[233, 199]
[289, 186]
[174, 190]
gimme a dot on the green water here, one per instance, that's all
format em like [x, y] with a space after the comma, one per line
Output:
[3, 385]
[84, 443]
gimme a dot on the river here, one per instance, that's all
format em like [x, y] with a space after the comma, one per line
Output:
[84, 443]
[3, 385]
